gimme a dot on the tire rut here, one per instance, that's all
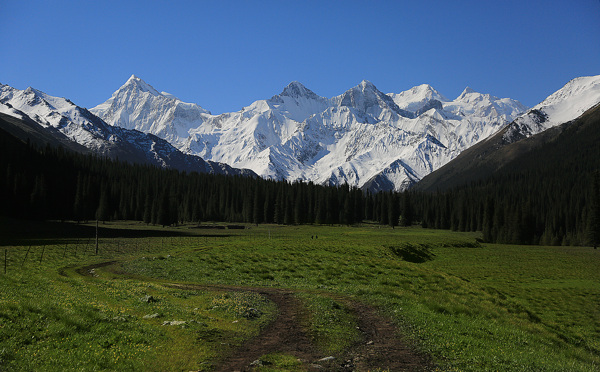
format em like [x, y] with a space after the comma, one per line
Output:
[381, 347]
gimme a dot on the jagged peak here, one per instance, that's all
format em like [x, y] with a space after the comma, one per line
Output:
[31, 90]
[296, 89]
[468, 90]
[365, 87]
[426, 88]
[413, 98]
[366, 84]
[365, 96]
[140, 85]
[471, 94]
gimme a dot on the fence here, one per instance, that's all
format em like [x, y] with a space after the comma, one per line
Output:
[17, 258]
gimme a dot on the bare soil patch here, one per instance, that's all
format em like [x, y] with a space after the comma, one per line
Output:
[381, 347]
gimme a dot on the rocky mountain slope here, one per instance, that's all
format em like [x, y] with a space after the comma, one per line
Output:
[578, 100]
[60, 120]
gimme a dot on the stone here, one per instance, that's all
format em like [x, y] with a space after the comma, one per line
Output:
[181, 323]
[148, 299]
[326, 359]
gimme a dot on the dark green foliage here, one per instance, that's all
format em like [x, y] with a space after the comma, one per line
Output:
[407, 211]
[549, 196]
[594, 213]
[52, 183]
[103, 210]
[393, 210]
[415, 253]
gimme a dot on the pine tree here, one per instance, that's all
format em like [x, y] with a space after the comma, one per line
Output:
[594, 213]
[258, 207]
[103, 210]
[393, 210]
[163, 216]
[488, 219]
[407, 211]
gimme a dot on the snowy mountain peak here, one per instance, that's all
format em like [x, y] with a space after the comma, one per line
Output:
[562, 106]
[417, 97]
[137, 105]
[135, 82]
[584, 89]
[366, 84]
[468, 90]
[295, 89]
[350, 138]
[426, 90]
[368, 99]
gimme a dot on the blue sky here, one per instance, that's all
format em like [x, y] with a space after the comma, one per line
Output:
[224, 55]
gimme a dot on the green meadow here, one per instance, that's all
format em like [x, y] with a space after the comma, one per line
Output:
[174, 298]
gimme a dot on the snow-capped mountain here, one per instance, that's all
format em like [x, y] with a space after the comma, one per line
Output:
[564, 105]
[137, 105]
[362, 137]
[417, 97]
[82, 127]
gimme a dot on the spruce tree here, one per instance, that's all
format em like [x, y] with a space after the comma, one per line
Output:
[163, 216]
[594, 213]
[103, 210]
[393, 210]
[258, 207]
[407, 212]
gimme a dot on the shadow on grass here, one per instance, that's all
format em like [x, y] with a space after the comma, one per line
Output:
[23, 232]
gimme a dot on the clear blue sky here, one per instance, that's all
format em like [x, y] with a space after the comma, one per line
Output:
[224, 55]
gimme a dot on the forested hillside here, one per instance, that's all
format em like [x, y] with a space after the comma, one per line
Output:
[52, 183]
[545, 195]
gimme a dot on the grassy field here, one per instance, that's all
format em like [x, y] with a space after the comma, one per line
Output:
[471, 306]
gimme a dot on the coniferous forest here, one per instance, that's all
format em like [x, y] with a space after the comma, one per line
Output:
[526, 203]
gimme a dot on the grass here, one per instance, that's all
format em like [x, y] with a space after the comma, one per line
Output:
[471, 306]
[331, 324]
[52, 318]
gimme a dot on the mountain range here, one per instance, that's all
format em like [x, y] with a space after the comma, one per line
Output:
[34, 115]
[363, 137]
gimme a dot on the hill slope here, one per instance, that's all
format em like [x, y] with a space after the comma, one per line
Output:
[40, 117]
[539, 190]
[542, 124]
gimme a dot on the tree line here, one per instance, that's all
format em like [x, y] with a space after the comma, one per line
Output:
[528, 205]
[52, 183]
[549, 196]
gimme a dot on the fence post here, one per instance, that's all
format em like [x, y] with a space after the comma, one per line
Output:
[96, 237]
[24, 258]
[42, 256]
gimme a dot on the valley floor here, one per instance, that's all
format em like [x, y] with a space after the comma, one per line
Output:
[291, 298]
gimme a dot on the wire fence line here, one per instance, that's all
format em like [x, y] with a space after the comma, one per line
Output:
[17, 258]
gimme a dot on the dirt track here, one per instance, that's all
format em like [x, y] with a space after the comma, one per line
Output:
[380, 346]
